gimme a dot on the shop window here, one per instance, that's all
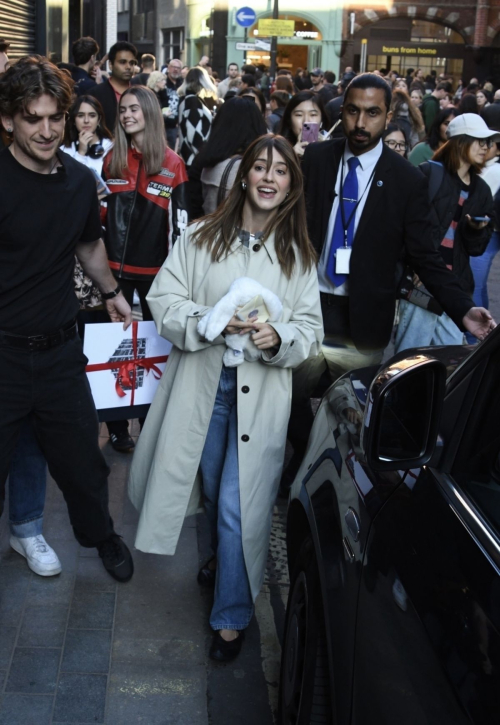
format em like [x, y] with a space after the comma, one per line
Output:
[173, 43]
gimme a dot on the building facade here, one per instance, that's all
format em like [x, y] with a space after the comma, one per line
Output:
[461, 38]
[49, 27]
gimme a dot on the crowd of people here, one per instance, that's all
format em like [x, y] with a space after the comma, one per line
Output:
[367, 208]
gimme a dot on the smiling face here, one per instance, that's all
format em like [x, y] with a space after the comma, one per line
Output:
[123, 67]
[267, 187]
[364, 118]
[306, 111]
[87, 118]
[131, 115]
[38, 132]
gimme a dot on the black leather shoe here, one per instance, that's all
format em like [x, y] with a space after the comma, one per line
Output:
[222, 651]
[116, 558]
[206, 576]
[122, 443]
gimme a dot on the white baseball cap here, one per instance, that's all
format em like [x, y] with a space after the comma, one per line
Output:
[470, 124]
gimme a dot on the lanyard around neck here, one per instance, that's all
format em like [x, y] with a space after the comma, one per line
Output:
[345, 226]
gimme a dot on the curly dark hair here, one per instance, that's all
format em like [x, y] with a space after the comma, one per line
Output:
[28, 79]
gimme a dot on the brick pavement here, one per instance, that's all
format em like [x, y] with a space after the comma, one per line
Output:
[80, 648]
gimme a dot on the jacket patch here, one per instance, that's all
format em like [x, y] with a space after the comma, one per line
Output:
[166, 172]
[118, 182]
[159, 189]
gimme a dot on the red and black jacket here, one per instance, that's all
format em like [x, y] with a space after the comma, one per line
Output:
[144, 215]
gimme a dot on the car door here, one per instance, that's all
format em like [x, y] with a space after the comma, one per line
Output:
[344, 497]
[428, 621]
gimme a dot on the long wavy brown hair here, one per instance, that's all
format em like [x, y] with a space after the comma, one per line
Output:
[220, 229]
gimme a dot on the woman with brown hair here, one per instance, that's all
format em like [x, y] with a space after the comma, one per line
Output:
[407, 116]
[461, 211]
[229, 423]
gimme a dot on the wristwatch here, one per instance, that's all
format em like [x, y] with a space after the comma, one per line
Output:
[110, 295]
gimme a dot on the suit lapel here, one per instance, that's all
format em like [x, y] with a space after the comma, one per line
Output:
[375, 194]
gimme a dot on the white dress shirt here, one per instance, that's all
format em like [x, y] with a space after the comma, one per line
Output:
[364, 172]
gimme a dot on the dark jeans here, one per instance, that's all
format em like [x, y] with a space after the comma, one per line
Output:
[51, 385]
[27, 483]
[129, 285]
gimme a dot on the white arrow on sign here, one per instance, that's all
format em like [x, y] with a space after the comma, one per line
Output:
[242, 17]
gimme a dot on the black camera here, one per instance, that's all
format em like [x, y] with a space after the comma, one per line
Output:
[95, 150]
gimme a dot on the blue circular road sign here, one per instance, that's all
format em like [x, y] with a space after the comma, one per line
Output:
[245, 17]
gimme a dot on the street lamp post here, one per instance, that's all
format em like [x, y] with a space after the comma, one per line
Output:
[274, 44]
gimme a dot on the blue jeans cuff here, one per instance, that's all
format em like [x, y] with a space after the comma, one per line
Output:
[26, 529]
[236, 627]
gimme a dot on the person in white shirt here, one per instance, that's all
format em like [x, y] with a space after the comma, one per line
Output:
[233, 72]
[87, 138]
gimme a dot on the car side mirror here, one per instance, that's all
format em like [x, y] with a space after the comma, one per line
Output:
[402, 415]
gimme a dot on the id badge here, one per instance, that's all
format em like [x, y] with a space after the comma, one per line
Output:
[342, 260]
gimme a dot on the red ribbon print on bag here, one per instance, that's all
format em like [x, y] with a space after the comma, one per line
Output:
[127, 369]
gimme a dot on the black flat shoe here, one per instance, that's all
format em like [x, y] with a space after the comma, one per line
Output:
[206, 576]
[116, 558]
[222, 651]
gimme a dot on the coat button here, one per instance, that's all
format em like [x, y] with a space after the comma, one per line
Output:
[245, 389]
[256, 247]
[292, 343]
[245, 438]
[196, 313]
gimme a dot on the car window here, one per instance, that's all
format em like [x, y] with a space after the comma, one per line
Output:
[477, 465]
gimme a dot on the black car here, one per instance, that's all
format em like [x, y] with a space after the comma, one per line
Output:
[393, 537]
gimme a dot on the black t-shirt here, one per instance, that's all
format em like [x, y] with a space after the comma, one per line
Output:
[42, 219]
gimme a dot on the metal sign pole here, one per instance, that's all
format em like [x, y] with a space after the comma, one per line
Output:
[274, 45]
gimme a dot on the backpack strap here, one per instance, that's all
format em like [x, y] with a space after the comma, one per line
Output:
[434, 171]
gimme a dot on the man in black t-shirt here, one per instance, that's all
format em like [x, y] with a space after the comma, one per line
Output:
[48, 212]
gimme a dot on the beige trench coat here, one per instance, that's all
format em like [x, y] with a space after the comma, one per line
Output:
[163, 484]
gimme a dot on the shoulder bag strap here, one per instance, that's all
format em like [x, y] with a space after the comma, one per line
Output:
[224, 179]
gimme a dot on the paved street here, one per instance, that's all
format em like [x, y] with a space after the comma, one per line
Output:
[79, 648]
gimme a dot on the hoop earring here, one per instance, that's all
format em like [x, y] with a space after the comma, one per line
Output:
[243, 186]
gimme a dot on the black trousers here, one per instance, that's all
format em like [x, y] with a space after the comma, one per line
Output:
[142, 286]
[52, 386]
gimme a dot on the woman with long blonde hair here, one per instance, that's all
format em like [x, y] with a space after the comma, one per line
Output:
[147, 208]
[222, 416]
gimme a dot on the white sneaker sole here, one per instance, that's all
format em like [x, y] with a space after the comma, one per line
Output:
[41, 571]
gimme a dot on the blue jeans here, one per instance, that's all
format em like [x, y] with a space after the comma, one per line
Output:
[233, 605]
[481, 267]
[421, 328]
[27, 482]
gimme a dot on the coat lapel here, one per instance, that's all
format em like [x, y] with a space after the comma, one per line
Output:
[380, 179]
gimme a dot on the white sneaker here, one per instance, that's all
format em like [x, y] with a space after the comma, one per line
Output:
[41, 558]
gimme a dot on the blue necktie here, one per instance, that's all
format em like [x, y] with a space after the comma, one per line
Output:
[350, 198]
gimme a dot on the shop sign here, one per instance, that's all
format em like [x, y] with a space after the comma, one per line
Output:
[310, 34]
[434, 50]
[281, 28]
